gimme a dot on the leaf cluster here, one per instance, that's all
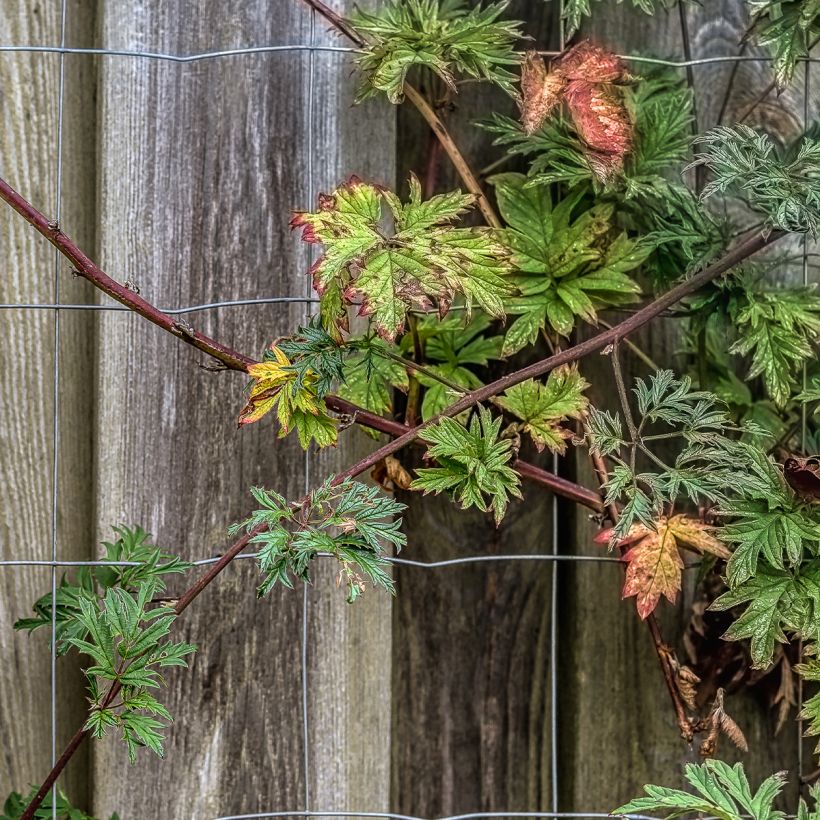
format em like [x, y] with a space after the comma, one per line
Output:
[567, 264]
[452, 351]
[348, 521]
[126, 638]
[292, 389]
[648, 197]
[775, 327]
[451, 38]
[144, 562]
[788, 30]
[702, 467]
[785, 187]
[720, 791]
[473, 464]
[774, 567]
[574, 11]
[16, 804]
[540, 407]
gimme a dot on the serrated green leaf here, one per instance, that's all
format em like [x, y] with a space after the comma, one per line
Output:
[425, 259]
[541, 406]
[566, 266]
[473, 464]
[450, 38]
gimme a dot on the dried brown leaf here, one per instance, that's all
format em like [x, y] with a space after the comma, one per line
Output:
[785, 698]
[540, 91]
[390, 475]
[687, 683]
[721, 722]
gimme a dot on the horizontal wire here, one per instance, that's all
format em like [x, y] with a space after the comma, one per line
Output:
[470, 559]
[272, 300]
[238, 52]
[174, 58]
[473, 816]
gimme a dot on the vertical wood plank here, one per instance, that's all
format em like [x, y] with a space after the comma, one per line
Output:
[471, 701]
[201, 165]
[29, 124]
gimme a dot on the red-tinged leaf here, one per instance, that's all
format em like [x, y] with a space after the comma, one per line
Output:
[426, 261]
[655, 569]
[540, 91]
[603, 124]
[698, 537]
[586, 78]
[592, 64]
[654, 560]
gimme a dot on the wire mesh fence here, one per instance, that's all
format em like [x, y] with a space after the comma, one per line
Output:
[57, 307]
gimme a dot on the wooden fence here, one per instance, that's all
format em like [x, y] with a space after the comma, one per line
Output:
[499, 686]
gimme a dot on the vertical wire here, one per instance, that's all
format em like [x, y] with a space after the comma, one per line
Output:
[803, 438]
[55, 433]
[305, 596]
[562, 44]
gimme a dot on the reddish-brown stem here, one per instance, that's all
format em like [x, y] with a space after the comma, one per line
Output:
[661, 649]
[88, 270]
[183, 602]
[426, 111]
[571, 354]
[554, 483]
[231, 358]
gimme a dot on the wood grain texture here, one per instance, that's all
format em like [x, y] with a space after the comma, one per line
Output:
[29, 124]
[470, 663]
[617, 729]
[471, 709]
[201, 165]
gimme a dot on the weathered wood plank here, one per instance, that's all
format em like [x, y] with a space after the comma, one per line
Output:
[201, 165]
[29, 92]
[471, 705]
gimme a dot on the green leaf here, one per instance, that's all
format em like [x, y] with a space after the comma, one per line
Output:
[425, 259]
[473, 464]
[784, 187]
[779, 601]
[142, 730]
[370, 377]
[453, 349]
[449, 37]
[347, 520]
[722, 791]
[565, 266]
[315, 356]
[778, 329]
[788, 30]
[541, 406]
[574, 11]
[16, 803]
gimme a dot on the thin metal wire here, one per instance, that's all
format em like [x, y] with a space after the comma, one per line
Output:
[305, 594]
[803, 438]
[270, 300]
[55, 464]
[250, 50]
[174, 58]
[407, 562]
[473, 816]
